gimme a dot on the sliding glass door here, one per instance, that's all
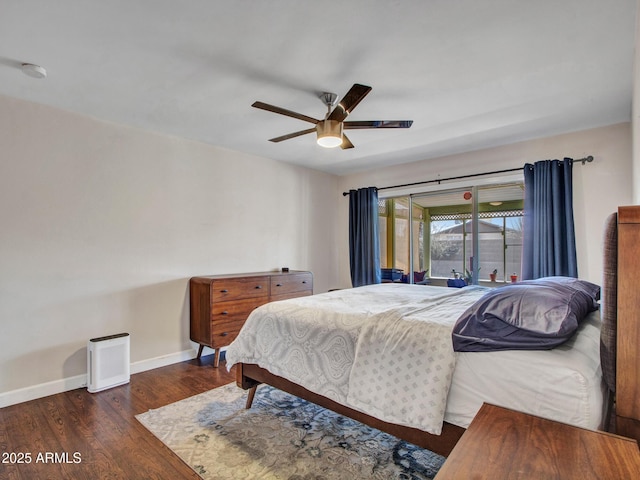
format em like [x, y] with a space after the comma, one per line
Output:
[500, 218]
[448, 218]
[473, 233]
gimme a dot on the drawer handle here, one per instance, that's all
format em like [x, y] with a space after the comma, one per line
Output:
[224, 334]
[224, 291]
[304, 281]
[224, 313]
[278, 284]
[258, 287]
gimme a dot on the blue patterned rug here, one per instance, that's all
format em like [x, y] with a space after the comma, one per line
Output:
[281, 437]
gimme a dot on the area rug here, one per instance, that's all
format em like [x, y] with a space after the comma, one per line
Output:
[281, 437]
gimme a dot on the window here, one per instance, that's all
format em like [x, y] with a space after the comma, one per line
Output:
[441, 238]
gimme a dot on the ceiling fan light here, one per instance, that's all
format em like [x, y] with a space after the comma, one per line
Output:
[329, 133]
[329, 141]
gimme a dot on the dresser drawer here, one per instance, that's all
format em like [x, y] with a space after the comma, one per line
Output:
[294, 283]
[223, 333]
[284, 296]
[228, 289]
[235, 311]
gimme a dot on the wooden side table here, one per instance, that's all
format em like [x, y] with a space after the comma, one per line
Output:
[505, 444]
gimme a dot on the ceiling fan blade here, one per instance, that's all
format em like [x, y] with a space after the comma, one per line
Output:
[353, 97]
[377, 124]
[346, 143]
[284, 111]
[292, 135]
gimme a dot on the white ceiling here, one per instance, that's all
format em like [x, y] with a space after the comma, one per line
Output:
[470, 74]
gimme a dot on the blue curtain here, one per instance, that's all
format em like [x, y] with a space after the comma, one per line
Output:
[364, 243]
[549, 237]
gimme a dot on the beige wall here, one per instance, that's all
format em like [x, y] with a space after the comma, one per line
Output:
[599, 187]
[103, 225]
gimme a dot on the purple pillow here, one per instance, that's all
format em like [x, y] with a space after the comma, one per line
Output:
[530, 315]
[590, 289]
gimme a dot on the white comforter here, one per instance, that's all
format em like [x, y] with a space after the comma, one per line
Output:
[382, 349]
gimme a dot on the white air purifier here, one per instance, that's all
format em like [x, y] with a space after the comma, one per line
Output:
[108, 362]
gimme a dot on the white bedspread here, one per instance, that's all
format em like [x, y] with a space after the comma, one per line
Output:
[382, 349]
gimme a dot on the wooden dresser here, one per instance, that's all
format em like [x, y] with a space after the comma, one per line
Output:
[220, 304]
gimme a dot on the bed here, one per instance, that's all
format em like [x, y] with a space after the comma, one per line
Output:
[342, 349]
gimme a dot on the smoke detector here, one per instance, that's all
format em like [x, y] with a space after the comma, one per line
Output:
[35, 71]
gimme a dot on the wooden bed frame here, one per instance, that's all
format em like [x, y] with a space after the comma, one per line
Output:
[249, 376]
[627, 404]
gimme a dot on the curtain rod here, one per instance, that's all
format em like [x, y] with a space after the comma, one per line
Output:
[584, 160]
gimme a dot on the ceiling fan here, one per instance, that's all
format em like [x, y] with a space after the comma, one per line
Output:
[330, 130]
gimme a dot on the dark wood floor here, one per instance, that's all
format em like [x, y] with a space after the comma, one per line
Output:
[82, 435]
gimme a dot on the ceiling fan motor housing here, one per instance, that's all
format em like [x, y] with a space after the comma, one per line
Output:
[329, 99]
[329, 133]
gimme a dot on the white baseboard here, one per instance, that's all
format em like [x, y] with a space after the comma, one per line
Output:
[42, 390]
[80, 381]
[162, 361]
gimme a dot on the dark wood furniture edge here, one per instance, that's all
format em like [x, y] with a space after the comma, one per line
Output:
[269, 273]
[629, 214]
[250, 375]
[504, 443]
[627, 396]
[628, 427]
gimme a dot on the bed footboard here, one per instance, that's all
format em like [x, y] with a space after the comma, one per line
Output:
[250, 375]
